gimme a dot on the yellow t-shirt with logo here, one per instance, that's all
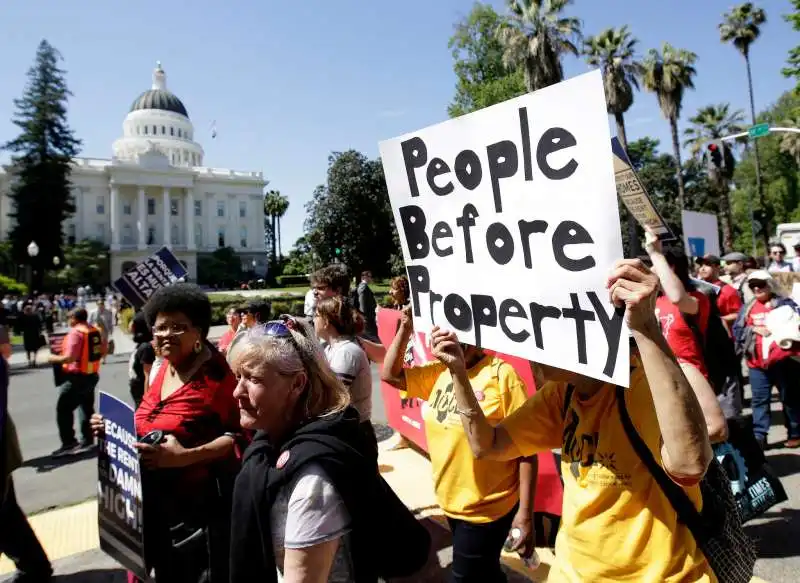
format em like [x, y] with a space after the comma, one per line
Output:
[616, 523]
[468, 489]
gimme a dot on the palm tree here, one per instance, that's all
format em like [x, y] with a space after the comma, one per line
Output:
[709, 125]
[534, 36]
[271, 205]
[669, 74]
[614, 51]
[741, 26]
[281, 206]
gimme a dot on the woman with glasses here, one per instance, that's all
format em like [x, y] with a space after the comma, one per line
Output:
[187, 476]
[335, 325]
[768, 362]
[293, 504]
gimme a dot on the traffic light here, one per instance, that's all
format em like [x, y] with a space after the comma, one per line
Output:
[337, 251]
[715, 155]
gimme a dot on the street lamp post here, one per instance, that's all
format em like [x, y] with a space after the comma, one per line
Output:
[33, 251]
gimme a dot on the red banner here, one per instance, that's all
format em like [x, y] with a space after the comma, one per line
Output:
[405, 415]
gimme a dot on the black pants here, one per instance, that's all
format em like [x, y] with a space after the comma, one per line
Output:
[476, 549]
[75, 392]
[17, 539]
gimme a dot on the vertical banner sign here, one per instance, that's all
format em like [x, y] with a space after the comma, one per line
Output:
[157, 271]
[700, 234]
[119, 487]
[509, 225]
[633, 195]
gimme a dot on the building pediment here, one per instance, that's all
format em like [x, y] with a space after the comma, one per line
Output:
[153, 159]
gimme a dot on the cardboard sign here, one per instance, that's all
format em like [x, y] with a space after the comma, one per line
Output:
[509, 226]
[700, 234]
[119, 487]
[634, 196]
[404, 415]
[157, 271]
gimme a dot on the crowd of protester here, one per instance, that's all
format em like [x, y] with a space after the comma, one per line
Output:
[259, 458]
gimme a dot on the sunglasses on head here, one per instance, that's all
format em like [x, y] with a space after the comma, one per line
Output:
[282, 327]
[757, 284]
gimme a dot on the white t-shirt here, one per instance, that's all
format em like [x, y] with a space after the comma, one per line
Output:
[350, 363]
[309, 511]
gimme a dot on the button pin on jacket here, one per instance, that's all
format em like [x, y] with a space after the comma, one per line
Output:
[282, 459]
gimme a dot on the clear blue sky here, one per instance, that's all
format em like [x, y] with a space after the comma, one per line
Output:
[289, 82]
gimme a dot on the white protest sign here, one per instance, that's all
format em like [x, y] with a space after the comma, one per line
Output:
[509, 226]
[700, 233]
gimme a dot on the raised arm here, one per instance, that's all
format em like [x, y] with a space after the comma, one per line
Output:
[686, 450]
[392, 371]
[672, 286]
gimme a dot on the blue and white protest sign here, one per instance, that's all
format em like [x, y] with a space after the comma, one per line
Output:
[119, 487]
[159, 270]
[700, 233]
[509, 224]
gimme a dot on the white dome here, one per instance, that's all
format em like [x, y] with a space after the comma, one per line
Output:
[167, 129]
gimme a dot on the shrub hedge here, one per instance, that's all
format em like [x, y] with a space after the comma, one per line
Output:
[9, 285]
[292, 280]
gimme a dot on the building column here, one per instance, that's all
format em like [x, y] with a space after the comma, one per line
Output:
[211, 235]
[167, 216]
[114, 211]
[141, 209]
[190, 220]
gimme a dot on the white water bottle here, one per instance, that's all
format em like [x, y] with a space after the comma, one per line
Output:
[531, 562]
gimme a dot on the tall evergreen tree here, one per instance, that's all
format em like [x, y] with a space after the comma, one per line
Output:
[41, 158]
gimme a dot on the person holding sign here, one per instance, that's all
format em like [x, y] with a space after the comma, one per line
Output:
[617, 522]
[483, 499]
[189, 436]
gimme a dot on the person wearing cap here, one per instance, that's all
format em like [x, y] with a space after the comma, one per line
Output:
[769, 363]
[796, 260]
[728, 301]
[735, 270]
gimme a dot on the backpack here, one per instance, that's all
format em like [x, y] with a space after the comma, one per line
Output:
[95, 341]
[717, 528]
[716, 346]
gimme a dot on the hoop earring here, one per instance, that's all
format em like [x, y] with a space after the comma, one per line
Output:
[198, 347]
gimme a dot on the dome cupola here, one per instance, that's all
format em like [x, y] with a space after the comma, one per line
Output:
[158, 97]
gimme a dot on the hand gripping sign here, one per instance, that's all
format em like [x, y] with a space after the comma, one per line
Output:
[509, 226]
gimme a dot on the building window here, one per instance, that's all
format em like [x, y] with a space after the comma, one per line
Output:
[127, 235]
[163, 130]
[174, 234]
[146, 130]
[198, 235]
[242, 209]
[198, 208]
[171, 131]
[155, 130]
[173, 207]
[151, 206]
[221, 237]
[71, 238]
[179, 132]
[138, 130]
[221, 209]
[243, 236]
[101, 231]
[151, 235]
[101, 205]
[126, 209]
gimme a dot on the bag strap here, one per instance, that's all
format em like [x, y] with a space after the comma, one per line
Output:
[683, 506]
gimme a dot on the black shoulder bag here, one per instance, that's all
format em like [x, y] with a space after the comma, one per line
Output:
[718, 528]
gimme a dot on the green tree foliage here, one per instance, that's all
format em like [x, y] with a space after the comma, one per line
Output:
[482, 79]
[668, 74]
[223, 268]
[351, 212]
[779, 169]
[41, 157]
[85, 262]
[300, 260]
[535, 35]
[793, 61]
[709, 125]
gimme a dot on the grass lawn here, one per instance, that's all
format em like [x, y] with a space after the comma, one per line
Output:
[16, 340]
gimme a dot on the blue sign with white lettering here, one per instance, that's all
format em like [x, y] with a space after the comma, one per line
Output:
[119, 487]
[159, 270]
[697, 246]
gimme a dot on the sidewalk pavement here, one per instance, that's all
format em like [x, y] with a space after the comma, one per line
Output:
[70, 534]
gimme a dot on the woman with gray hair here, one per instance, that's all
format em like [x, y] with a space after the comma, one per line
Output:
[770, 363]
[309, 493]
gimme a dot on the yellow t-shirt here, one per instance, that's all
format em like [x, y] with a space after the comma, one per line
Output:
[616, 523]
[468, 489]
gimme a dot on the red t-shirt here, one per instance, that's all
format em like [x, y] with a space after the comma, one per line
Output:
[757, 317]
[728, 300]
[197, 413]
[677, 332]
[225, 339]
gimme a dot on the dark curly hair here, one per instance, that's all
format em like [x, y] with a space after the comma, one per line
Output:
[181, 298]
[141, 329]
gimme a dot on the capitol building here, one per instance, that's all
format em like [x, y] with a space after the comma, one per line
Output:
[155, 191]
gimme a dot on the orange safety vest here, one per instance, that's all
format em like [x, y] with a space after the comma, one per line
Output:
[91, 350]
